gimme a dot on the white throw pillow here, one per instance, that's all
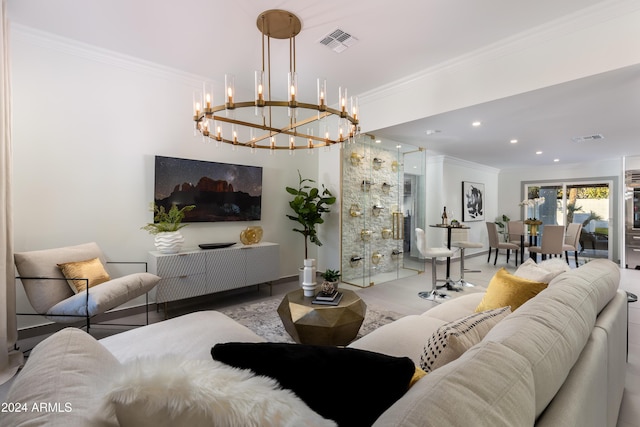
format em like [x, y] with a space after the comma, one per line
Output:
[172, 391]
[555, 265]
[536, 272]
[452, 339]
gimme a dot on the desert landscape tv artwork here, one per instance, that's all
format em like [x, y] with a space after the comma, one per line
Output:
[220, 191]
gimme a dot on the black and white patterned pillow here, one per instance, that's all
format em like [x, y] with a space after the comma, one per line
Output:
[452, 339]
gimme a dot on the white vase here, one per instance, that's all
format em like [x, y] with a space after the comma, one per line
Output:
[309, 277]
[169, 242]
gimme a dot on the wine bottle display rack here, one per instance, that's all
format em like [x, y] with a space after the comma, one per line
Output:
[371, 190]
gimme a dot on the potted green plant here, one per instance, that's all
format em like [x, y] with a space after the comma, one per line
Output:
[166, 227]
[331, 279]
[309, 204]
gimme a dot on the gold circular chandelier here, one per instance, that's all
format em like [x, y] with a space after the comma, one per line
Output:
[263, 121]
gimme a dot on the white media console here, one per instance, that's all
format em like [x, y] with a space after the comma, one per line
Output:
[196, 272]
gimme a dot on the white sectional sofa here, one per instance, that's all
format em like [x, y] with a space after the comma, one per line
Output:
[557, 360]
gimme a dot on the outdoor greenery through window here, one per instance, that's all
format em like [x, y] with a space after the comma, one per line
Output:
[587, 204]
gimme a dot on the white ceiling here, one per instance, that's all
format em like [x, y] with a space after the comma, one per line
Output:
[213, 37]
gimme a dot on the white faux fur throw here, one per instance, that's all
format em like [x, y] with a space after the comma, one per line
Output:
[171, 391]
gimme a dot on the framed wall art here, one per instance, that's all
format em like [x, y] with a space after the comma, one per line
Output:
[472, 201]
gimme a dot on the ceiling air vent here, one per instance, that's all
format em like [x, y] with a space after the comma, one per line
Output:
[338, 40]
[594, 137]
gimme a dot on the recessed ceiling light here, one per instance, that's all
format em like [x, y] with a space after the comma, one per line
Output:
[398, 146]
[378, 141]
[538, 152]
[476, 123]
[514, 141]
[432, 131]
[556, 160]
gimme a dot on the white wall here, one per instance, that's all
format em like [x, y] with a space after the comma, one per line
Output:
[87, 125]
[444, 188]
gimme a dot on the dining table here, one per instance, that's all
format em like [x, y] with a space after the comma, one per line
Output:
[449, 283]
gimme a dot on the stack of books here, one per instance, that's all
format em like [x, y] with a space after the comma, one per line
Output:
[327, 299]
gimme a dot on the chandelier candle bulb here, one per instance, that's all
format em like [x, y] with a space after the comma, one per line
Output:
[293, 88]
[207, 89]
[342, 96]
[322, 90]
[229, 84]
[354, 107]
[259, 88]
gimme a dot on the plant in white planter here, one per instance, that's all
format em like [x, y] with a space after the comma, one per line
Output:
[166, 227]
[309, 204]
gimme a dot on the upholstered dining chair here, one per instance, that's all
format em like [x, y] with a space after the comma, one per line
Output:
[516, 232]
[494, 242]
[460, 240]
[434, 254]
[71, 283]
[552, 242]
[572, 241]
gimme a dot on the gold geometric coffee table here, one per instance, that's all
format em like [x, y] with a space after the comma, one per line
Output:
[322, 324]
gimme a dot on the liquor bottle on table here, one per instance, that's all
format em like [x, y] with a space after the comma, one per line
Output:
[445, 218]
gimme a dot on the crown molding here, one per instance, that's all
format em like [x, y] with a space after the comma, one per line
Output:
[569, 24]
[50, 41]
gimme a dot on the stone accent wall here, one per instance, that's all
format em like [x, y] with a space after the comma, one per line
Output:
[358, 167]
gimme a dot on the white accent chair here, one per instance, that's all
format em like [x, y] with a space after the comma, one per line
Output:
[552, 242]
[572, 241]
[434, 254]
[460, 240]
[494, 242]
[51, 296]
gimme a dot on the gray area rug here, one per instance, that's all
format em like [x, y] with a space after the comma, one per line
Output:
[262, 318]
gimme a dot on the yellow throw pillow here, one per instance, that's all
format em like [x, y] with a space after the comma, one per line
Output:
[506, 289]
[91, 269]
[417, 375]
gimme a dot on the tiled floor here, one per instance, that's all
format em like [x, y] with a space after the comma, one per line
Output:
[401, 296]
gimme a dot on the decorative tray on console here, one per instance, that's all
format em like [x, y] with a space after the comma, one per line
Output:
[216, 245]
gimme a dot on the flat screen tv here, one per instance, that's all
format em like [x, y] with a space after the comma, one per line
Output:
[220, 191]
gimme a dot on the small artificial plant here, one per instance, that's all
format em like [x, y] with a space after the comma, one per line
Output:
[331, 275]
[309, 204]
[164, 221]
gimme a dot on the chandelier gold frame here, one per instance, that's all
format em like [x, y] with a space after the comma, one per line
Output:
[278, 24]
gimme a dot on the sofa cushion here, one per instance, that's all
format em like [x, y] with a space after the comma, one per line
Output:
[458, 307]
[506, 289]
[70, 371]
[489, 385]
[451, 340]
[81, 273]
[600, 274]
[550, 331]
[327, 378]
[173, 391]
[190, 335]
[404, 337]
